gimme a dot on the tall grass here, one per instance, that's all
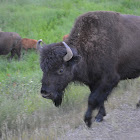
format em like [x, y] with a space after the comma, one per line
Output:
[23, 111]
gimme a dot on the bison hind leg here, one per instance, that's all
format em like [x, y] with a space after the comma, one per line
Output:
[138, 104]
[13, 52]
[101, 114]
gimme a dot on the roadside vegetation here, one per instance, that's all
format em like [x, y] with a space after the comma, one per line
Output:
[24, 114]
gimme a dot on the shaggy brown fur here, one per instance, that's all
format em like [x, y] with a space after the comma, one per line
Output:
[106, 49]
[28, 43]
[10, 42]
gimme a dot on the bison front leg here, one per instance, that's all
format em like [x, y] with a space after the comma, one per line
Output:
[97, 98]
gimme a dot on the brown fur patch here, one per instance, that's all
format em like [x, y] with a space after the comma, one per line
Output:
[65, 37]
[28, 43]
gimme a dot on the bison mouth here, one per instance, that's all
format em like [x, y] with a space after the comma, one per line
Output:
[56, 98]
[47, 96]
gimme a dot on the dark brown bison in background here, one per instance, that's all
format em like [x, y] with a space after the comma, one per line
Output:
[102, 49]
[10, 42]
[27, 43]
[65, 37]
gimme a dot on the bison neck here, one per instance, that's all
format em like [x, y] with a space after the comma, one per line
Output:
[81, 73]
[87, 73]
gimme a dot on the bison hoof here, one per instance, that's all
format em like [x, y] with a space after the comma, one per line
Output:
[138, 104]
[99, 118]
[88, 122]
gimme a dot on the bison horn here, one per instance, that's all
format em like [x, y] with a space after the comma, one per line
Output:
[38, 46]
[69, 54]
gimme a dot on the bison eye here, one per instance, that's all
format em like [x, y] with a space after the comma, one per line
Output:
[60, 71]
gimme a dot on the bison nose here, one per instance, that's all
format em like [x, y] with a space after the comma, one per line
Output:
[46, 94]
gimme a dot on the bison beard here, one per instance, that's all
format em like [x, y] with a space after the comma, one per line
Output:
[57, 101]
[57, 98]
[102, 49]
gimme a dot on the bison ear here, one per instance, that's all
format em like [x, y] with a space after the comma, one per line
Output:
[75, 59]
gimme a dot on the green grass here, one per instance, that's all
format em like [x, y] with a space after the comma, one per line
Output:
[21, 106]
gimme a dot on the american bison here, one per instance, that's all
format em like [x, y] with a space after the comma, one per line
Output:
[102, 49]
[10, 42]
[65, 37]
[27, 43]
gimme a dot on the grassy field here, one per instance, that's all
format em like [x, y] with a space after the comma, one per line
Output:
[23, 112]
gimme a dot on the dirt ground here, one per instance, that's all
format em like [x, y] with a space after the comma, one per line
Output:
[121, 123]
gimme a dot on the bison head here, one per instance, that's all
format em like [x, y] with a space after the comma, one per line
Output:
[57, 62]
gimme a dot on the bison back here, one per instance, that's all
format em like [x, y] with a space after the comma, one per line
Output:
[28, 43]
